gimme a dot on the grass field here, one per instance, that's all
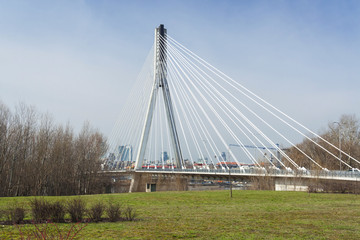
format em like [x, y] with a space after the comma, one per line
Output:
[214, 215]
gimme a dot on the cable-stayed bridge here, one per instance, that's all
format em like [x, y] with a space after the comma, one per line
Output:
[186, 116]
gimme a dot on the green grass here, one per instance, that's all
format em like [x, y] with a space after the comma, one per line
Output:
[213, 215]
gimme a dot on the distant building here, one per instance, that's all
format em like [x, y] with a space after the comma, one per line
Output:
[235, 164]
[229, 164]
[223, 156]
[201, 160]
[111, 157]
[164, 156]
[125, 153]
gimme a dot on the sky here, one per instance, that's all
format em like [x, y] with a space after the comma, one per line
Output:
[78, 60]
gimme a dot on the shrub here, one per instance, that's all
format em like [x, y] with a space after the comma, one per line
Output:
[113, 211]
[51, 231]
[57, 211]
[16, 214]
[40, 209]
[96, 211]
[76, 207]
[2, 213]
[130, 214]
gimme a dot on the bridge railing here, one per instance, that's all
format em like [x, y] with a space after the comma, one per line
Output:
[264, 172]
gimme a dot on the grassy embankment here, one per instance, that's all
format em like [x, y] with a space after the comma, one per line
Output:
[213, 215]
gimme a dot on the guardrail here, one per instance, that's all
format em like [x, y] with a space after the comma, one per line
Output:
[263, 172]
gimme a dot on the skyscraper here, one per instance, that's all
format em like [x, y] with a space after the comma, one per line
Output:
[125, 153]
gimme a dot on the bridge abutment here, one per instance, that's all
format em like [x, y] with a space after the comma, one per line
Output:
[147, 182]
[291, 184]
[121, 182]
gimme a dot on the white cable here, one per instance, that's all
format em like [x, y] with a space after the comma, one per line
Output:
[218, 101]
[271, 107]
[210, 121]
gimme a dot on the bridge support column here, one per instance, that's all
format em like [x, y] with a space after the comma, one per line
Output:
[163, 181]
[291, 184]
[134, 184]
[160, 83]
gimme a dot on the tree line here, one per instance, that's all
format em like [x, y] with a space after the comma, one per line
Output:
[344, 133]
[39, 157]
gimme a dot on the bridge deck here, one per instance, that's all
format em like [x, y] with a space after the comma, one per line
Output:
[330, 175]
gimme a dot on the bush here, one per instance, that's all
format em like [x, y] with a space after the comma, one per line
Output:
[16, 215]
[96, 211]
[51, 231]
[113, 211]
[40, 209]
[2, 213]
[76, 208]
[57, 211]
[130, 214]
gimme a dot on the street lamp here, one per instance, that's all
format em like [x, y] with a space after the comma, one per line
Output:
[339, 142]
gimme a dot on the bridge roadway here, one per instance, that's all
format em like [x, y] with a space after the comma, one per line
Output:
[352, 176]
[184, 179]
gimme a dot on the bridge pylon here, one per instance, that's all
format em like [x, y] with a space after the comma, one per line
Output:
[160, 85]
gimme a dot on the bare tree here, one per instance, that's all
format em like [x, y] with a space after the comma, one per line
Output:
[348, 128]
[39, 158]
[89, 149]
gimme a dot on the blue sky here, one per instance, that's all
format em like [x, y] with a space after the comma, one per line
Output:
[78, 59]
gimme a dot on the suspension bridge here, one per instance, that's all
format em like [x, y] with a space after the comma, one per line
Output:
[184, 116]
